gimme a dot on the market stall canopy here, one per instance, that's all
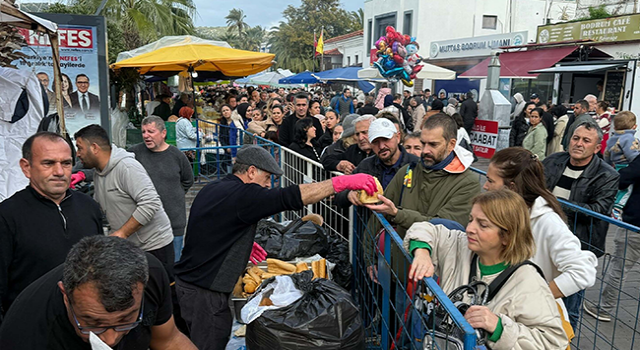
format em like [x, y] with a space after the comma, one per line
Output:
[267, 78]
[202, 57]
[346, 75]
[581, 68]
[429, 71]
[519, 64]
[302, 78]
[15, 17]
[168, 41]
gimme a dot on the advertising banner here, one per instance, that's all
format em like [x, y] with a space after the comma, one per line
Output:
[484, 138]
[475, 46]
[83, 67]
[621, 28]
[458, 87]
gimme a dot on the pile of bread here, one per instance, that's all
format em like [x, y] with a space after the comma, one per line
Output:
[255, 275]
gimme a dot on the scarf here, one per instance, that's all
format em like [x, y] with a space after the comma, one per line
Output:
[443, 164]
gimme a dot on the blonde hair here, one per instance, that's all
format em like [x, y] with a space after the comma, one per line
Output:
[349, 141]
[507, 210]
[624, 120]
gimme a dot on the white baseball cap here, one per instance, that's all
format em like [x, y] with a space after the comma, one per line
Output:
[381, 127]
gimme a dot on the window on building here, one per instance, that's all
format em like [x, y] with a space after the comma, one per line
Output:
[370, 35]
[356, 59]
[407, 24]
[489, 22]
[348, 61]
[382, 22]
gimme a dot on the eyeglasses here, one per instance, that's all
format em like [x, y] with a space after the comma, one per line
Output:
[99, 330]
[82, 83]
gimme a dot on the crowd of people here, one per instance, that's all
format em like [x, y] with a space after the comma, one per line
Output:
[154, 278]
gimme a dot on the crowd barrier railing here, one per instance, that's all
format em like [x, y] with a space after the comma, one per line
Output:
[617, 281]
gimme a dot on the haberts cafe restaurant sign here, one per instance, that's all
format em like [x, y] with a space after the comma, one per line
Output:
[620, 28]
[476, 46]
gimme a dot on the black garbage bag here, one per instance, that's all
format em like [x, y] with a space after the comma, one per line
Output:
[338, 253]
[325, 318]
[298, 239]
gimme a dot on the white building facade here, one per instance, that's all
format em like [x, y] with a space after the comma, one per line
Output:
[344, 51]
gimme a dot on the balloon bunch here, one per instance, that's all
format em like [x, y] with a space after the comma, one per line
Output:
[398, 57]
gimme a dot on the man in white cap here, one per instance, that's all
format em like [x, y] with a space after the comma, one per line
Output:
[389, 157]
[221, 231]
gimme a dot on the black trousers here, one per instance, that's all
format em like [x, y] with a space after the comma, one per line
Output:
[166, 255]
[207, 315]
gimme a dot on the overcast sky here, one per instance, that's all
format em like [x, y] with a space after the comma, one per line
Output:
[266, 13]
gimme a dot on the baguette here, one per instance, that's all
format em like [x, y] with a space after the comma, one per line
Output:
[280, 267]
[250, 286]
[322, 267]
[301, 266]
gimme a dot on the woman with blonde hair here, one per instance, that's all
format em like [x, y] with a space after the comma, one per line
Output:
[522, 313]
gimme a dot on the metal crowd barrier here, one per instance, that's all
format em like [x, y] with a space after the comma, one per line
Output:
[622, 250]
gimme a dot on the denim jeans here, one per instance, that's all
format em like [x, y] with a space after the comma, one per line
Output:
[178, 242]
[574, 308]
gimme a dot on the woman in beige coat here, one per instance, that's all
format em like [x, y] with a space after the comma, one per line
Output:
[560, 113]
[523, 314]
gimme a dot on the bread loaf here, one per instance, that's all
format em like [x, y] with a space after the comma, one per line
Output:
[364, 198]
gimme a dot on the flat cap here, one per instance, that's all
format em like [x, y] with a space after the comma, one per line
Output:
[258, 157]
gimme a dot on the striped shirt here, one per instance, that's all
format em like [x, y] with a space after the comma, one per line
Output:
[563, 187]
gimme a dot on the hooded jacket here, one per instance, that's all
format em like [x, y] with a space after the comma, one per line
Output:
[594, 190]
[124, 190]
[525, 305]
[520, 103]
[444, 194]
[558, 251]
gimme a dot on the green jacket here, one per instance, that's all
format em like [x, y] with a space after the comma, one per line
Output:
[536, 140]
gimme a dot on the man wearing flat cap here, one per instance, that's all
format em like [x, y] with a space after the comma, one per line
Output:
[220, 234]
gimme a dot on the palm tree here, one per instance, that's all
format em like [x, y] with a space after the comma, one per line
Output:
[358, 17]
[229, 37]
[235, 18]
[254, 38]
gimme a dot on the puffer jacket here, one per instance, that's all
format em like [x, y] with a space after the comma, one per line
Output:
[519, 128]
[594, 190]
[529, 313]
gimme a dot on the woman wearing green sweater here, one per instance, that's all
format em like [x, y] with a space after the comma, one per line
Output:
[536, 139]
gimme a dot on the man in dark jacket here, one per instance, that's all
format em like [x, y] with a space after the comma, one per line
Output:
[163, 110]
[301, 110]
[389, 156]
[406, 118]
[344, 104]
[627, 247]
[580, 115]
[368, 107]
[183, 101]
[354, 154]
[469, 111]
[583, 179]
[40, 224]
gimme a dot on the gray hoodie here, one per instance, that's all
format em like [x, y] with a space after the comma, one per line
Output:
[123, 189]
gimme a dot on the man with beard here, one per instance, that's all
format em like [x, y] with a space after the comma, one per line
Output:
[389, 157]
[440, 186]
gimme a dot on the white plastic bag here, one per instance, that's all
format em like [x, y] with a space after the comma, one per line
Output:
[282, 292]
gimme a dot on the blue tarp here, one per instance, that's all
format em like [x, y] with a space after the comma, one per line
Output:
[302, 78]
[346, 74]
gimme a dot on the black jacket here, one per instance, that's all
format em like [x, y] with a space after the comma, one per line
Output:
[326, 139]
[36, 236]
[352, 154]
[594, 190]
[631, 176]
[469, 112]
[408, 121]
[519, 128]
[286, 129]
[549, 124]
[374, 167]
[306, 150]
[368, 109]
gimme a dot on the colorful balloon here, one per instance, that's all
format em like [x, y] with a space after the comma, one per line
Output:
[398, 58]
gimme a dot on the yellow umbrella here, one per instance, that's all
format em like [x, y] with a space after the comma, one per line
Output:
[202, 57]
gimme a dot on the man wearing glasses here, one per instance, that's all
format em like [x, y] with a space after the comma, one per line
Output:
[107, 291]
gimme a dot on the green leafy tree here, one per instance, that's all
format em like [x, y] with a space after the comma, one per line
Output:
[598, 12]
[254, 37]
[231, 38]
[235, 19]
[292, 40]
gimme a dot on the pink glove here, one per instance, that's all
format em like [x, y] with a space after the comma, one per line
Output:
[76, 178]
[257, 254]
[355, 182]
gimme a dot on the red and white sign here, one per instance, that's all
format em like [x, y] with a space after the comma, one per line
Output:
[373, 56]
[484, 138]
[69, 38]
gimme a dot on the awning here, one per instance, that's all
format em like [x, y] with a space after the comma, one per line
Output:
[519, 64]
[584, 68]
